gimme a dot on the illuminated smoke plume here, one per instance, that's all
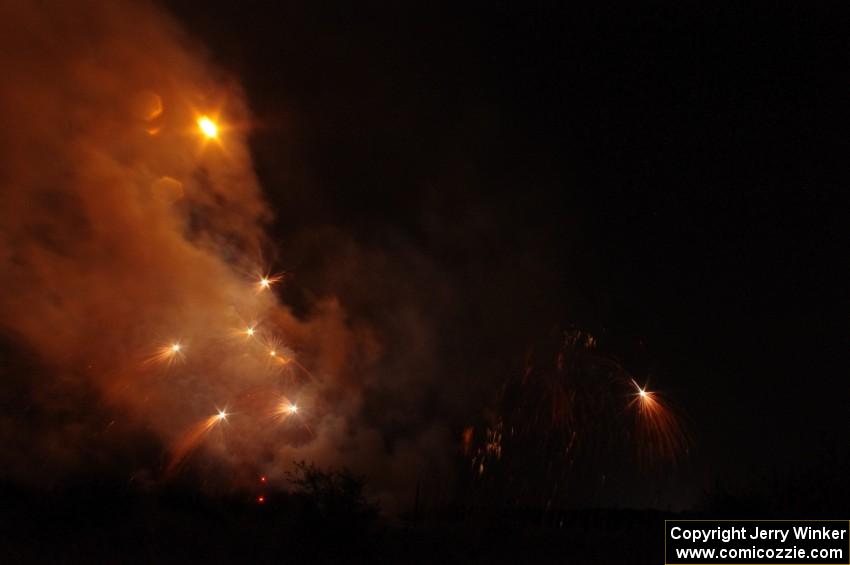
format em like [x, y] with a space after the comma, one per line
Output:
[137, 290]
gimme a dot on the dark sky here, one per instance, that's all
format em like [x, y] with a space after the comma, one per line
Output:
[670, 177]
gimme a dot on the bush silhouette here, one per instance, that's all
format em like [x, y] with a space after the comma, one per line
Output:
[332, 498]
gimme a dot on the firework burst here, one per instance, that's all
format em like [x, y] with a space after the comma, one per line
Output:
[658, 433]
[558, 424]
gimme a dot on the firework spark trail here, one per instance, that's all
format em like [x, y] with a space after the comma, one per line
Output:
[265, 282]
[287, 409]
[250, 401]
[659, 432]
[191, 439]
[168, 355]
[304, 369]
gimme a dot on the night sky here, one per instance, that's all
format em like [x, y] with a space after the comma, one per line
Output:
[666, 177]
[401, 213]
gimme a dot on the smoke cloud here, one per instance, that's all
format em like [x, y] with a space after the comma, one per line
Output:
[125, 231]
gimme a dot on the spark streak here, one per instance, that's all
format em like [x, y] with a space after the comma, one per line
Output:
[287, 409]
[265, 282]
[190, 440]
[167, 354]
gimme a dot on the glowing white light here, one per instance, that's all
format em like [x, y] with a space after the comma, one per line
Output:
[208, 127]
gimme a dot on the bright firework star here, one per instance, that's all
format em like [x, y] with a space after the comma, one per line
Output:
[167, 354]
[208, 127]
[190, 440]
[659, 430]
[249, 330]
[287, 409]
[276, 356]
[641, 391]
[265, 282]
